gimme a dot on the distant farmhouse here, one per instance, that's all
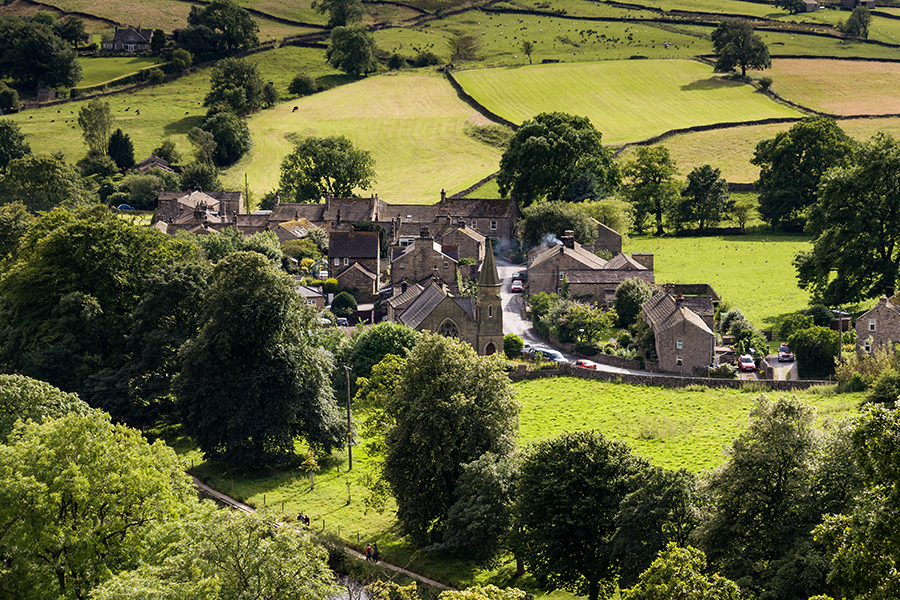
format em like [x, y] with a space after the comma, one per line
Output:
[129, 39]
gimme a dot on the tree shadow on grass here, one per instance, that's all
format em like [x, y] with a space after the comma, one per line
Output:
[710, 83]
[183, 125]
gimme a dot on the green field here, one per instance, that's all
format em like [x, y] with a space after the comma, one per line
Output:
[412, 123]
[626, 100]
[101, 70]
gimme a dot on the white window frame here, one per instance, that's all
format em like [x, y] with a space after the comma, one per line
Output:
[337, 262]
[446, 264]
[679, 344]
[872, 325]
[493, 225]
[678, 361]
[867, 347]
[562, 275]
[346, 262]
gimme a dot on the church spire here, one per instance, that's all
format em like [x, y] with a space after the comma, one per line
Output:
[488, 275]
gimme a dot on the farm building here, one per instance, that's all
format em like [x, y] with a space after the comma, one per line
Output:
[129, 39]
[684, 342]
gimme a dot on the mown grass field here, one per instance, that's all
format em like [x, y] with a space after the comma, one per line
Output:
[752, 272]
[626, 100]
[100, 70]
[412, 123]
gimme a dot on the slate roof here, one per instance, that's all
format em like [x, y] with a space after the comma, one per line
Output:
[662, 312]
[355, 244]
[476, 207]
[589, 260]
[467, 304]
[403, 298]
[357, 267]
[290, 230]
[294, 212]
[153, 162]
[624, 262]
[308, 292]
[607, 276]
[422, 306]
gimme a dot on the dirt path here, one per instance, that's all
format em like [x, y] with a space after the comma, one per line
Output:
[232, 503]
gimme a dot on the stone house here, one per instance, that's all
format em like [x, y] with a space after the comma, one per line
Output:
[851, 4]
[424, 259]
[699, 297]
[311, 296]
[461, 242]
[477, 321]
[684, 342]
[185, 210]
[598, 286]
[607, 239]
[879, 327]
[348, 247]
[129, 39]
[547, 269]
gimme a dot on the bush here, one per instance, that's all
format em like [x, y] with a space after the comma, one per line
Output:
[886, 389]
[587, 348]
[395, 62]
[723, 371]
[512, 345]
[820, 314]
[97, 164]
[794, 322]
[426, 59]
[815, 349]
[155, 76]
[466, 261]
[630, 295]
[343, 305]
[331, 286]
[765, 83]
[303, 85]
[624, 340]
[9, 99]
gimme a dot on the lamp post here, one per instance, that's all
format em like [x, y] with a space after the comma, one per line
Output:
[347, 369]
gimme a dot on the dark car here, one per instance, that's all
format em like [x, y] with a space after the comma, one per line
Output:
[785, 354]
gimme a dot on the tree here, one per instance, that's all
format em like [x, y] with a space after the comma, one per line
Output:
[79, 500]
[742, 211]
[204, 143]
[653, 187]
[96, 164]
[855, 228]
[663, 509]
[528, 49]
[815, 349]
[615, 213]
[705, 198]
[213, 553]
[199, 176]
[792, 323]
[121, 150]
[372, 344]
[763, 503]
[857, 24]
[321, 166]
[168, 152]
[274, 382]
[546, 154]
[26, 399]
[340, 12]
[157, 42]
[554, 219]
[9, 99]
[450, 407]
[72, 30]
[231, 135]
[181, 60]
[303, 85]
[235, 85]
[737, 46]
[352, 50]
[15, 220]
[567, 495]
[96, 120]
[343, 304]
[680, 574]
[232, 26]
[42, 182]
[270, 94]
[792, 165]
[513, 345]
[792, 6]
[36, 56]
[12, 143]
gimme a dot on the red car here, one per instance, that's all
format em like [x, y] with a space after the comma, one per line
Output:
[586, 364]
[745, 362]
[516, 286]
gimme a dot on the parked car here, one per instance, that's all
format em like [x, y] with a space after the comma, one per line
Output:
[342, 322]
[551, 354]
[785, 354]
[516, 286]
[523, 275]
[745, 362]
[586, 364]
[125, 207]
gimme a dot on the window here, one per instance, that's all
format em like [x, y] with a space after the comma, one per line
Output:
[678, 361]
[346, 261]
[867, 347]
[872, 325]
[491, 311]
[679, 344]
[449, 329]
[493, 225]
[446, 265]
[474, 224]
[562, 275]
[337, 262]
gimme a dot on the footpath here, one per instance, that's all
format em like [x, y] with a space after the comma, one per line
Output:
[234, 504]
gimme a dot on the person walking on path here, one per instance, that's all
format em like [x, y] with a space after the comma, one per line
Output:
[375, 552]
[368, 553]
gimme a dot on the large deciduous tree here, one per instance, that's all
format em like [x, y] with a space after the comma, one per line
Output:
[551, 151]
[737, 46]
[231, 26]
[680, 573]
[340, 12]
[630, 296]
[855, 227]
[270, 379]
[450, 406]
[371, 345]
[352, 50]
[321, 166]
[33, 55]
[26, 399]
[42, 182]
[96, 121]
[554, 219]
[231, 136]
[704, 199]
[567, 496]
[79, 499]
[791, 166]
[12, 143]
[653, 189]
[235, 85]
[857, 24]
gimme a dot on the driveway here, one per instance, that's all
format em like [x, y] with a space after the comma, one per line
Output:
[783, 370]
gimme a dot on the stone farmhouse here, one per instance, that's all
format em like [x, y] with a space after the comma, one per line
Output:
[354, 259]
[477, 321]
[129, 39]
[198, 211]
[423, 260]
[684, 342]
[879, 327]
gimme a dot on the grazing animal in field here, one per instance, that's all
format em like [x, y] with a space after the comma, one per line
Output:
[295, 109]
[127, 109]
[137, 112]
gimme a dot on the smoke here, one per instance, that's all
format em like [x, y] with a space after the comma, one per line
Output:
[550, 239]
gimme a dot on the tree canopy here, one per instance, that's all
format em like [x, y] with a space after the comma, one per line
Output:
[42, 182]
[121, 149]
[33, 55]
[548, 153]
[855, 228]
[791, 166]
[340, 12]
[653, 189]
[231, 27]
[23, 398]
[858, 22]
[737, 46]
[272, 379]
[680, 573]
[321, 166]
[352, 50]
[12, 143]
[96, 121]
[450, 406]
[231, 136]
[704, 199]
[554, 218]
[235, 85]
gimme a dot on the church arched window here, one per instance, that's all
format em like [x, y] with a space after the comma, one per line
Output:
[448, 329]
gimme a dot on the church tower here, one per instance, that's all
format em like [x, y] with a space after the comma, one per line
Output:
[489, 311]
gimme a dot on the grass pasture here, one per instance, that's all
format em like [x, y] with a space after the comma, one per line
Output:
[753, 272]
[626, 100]
[411, 122]
[838, 87]
[100, 70]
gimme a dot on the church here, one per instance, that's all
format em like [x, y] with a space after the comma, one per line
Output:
[476, 320]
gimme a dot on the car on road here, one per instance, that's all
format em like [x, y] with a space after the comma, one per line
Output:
[785, 354]
[586, 364]
[523, 275]
[745, 362]
[551, 354]
[125, 207]
[516, 286]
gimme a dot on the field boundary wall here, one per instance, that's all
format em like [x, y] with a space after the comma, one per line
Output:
[448, 71]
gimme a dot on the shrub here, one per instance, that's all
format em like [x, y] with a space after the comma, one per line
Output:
[331, 286]
[466, 261]
[512, 345]
[156, 76]
[303, 85]
[343, 304]
[96, 164]
[9, 98]
[794, 322]
[815, 349]
[765, 83]
[587, 348]
[886, 389]
[395, 62]
[630, 295]
[426, 59]
[723, 371]
[624, 339]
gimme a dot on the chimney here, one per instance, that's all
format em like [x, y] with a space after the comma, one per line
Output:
[568, 239]
[462, 223]
[449, 220]
[425, 234]
[339, 215]
[679, 300]
[443, 196]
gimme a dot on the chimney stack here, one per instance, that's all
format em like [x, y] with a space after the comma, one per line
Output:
[568, 239]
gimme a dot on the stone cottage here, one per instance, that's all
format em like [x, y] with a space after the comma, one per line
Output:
[879, 327]
[684, 342]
